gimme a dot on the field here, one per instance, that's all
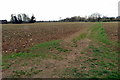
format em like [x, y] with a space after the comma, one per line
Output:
[60, 50]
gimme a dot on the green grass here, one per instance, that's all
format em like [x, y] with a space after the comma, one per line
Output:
[62, 49]
[7, 60]
[98, 34]
[47, 46]
[28, 73]
[106, 64]
[21, 55]
[41, 51]
[6, 65]
[72, 72]
[30, 56]
[80, 37]
[103, 73]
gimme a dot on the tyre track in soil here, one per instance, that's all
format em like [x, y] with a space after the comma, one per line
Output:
[55, 67]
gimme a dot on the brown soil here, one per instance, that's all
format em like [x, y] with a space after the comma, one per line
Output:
[18, 37]
[112, 30]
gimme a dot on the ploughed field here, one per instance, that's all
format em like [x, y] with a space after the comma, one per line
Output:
[17, 37]
[60, 50]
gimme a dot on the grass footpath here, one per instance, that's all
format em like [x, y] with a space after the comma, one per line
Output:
[107, 64]
[100, 60]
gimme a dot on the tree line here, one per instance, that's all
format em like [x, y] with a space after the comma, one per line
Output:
[95, 17]
[22, 18]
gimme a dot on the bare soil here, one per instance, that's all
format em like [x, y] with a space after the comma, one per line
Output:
[112, 30]
[18, 37]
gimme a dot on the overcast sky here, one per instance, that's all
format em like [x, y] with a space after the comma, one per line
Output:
[54, 9]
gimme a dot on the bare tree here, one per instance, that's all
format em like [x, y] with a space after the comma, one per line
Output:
[14, 18]
[19, 18]
[22, 18]
[25, 18]
[32, 20]
[95, 17]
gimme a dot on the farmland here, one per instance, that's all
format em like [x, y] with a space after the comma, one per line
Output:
[60, 50]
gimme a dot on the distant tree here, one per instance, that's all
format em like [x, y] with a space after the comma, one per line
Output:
[112, 18]
[16, 21]
[14, 18]
[95, 17]
[3, 21]
[105, 19]
[32, 20]
[25, 18]
[75, 18]
[19, 18]
[118, 18]
[83, 19]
